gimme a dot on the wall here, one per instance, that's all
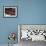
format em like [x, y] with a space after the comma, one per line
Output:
[7, 25]
[29, 12]
[32, 11]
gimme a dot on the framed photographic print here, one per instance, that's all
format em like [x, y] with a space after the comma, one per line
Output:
[10, 11]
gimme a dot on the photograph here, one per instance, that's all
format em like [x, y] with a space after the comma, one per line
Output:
[10, 11]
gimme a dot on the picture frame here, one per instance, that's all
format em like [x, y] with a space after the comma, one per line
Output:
[37, 29]
[10, 11]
